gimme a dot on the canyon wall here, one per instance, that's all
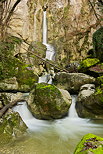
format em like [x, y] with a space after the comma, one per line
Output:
[71, 24]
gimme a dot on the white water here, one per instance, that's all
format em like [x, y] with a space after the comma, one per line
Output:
[44, 28]
[50, 52]
[54, 137]
[66, 127]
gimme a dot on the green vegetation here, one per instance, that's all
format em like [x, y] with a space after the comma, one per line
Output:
[90, 144]
[8, 63]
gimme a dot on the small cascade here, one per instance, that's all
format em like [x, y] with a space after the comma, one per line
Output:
[50, 52]
[72, 110]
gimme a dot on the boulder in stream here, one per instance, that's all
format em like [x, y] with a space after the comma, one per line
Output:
[90, 102]
[48, 102]
[89, 144]
[72, 81]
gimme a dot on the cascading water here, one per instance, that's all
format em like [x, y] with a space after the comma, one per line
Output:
[50, 53]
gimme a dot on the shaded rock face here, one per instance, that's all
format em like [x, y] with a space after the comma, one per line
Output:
[90, 102]
[72, 81]
[98, 43]
[90, 143]
[66, 22]
[48, 102]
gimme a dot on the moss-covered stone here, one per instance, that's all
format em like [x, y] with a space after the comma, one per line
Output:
[11, 126]
[48, 102]
[90, 143]
[8, 63]
[98, 44]
[87, 63]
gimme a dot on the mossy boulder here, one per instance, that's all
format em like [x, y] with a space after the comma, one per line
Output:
[87, 63]
[98, 44]
[90, 143]
[11, 125]
[72, 81]
[48, 102]
[8, 63]
[90, 106]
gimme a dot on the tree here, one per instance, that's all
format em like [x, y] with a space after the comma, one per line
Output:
[7, 8]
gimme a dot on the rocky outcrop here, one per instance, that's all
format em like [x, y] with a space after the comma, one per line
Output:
[90, 143]
[48, 102]
[72, 81]
[22, 84]
[68, 27]
[90, 102]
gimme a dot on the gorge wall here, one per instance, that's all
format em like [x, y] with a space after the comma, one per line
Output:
[71, 24]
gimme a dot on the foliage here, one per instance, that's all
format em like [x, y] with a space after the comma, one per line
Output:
[90, 144]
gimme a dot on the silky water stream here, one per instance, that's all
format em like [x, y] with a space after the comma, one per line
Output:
[51, 137]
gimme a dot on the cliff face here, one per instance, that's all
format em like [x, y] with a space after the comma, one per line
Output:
[70, 25]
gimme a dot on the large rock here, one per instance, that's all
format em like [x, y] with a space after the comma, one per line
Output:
[11, 125]
[48, 102]
[72, 81]
[90, 102]
[98, 43]
[90, 144]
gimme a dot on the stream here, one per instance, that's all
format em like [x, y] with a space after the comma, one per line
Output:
[51, 137]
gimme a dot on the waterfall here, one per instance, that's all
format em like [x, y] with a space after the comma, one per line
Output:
[50, 52]
[44, 28]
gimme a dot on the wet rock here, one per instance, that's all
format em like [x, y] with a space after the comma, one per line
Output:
[72, 81]
[48, 102]
[90, 143]
[90, 102]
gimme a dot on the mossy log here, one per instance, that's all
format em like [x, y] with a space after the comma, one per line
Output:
[6, 107]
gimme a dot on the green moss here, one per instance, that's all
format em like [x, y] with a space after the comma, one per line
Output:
[89, 62]
[100, 80]
[26, 76]
[90, 143]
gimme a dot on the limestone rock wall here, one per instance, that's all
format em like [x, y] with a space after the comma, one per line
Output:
[70, 25]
